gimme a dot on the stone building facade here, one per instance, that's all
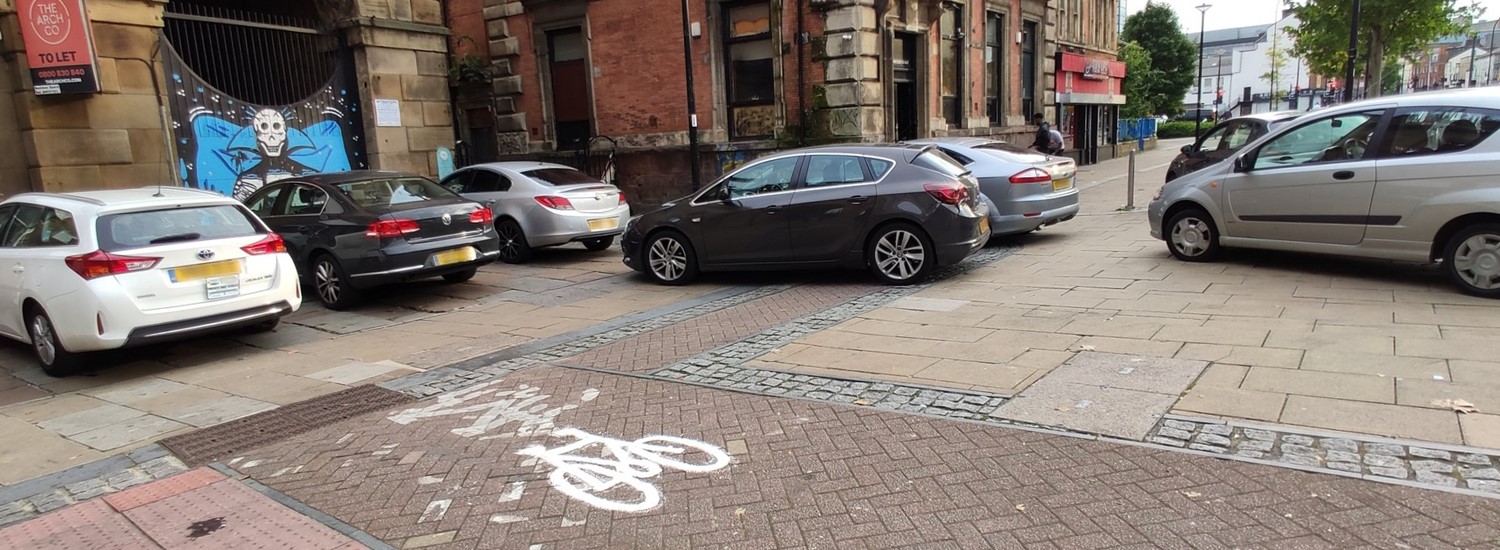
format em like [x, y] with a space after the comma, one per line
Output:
[549, 75]
[172, 108]
[1090, 78]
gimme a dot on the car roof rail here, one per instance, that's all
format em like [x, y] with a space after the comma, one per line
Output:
[64, 196]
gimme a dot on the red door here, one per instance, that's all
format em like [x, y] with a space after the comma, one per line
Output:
[570, 87]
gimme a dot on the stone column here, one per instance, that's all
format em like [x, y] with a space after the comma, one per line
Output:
[852, 81]
[505, 50]
[111, 139]
[401, 53]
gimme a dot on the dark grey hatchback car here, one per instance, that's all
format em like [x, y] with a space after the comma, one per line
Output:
[898, 210]
[353, 231]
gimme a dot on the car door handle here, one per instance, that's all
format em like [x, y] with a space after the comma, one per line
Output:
[858, 199]
[773, 209]
[1343, 175]
[18, 269]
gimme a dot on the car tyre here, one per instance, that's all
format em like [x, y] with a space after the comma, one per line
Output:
[669, 258]
[331, 284]
[599, 244]
[1472, 260]
[900, 254]
[513, 246]
[461, 276]
[1192, 237]
[50, 353]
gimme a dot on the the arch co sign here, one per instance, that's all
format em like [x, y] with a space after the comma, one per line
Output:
[59, 46]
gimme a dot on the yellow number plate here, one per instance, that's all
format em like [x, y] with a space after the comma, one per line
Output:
[455, 256]
[984, 224]
[204, 271]
[603, 224]
[1059, 185]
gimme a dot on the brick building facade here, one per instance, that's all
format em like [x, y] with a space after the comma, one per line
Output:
[539, 78]
[226, 94]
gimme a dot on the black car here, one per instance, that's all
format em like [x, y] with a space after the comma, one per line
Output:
[353, 231]
[898, 210]
[1224, 139]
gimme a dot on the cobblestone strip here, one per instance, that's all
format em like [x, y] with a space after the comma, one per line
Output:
[881, 395]
[49, 493]
[1371, 458]
[446, 379]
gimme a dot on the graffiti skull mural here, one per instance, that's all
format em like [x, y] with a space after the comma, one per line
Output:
[270, 131]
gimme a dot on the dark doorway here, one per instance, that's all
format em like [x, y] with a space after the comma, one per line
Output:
[905, 71]
[1086, 121]
[1028, 69]
[567, 52]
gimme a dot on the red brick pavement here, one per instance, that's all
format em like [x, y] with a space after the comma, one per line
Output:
[674, 343]
[819, 475]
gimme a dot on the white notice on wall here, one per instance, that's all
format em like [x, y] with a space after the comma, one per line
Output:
[387, 112]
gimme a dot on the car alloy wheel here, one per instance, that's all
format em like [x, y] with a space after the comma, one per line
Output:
[899, 255]
[329, 285]
[667, 259]
[43, 338]
[1191, 237]
[513, 247]
[1473, 260]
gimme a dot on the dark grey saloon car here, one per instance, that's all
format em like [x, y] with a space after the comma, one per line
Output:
[898, 210]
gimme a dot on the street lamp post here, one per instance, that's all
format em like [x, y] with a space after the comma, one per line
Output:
[692, 99]
[1198, 117]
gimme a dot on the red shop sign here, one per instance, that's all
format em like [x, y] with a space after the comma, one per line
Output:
[59, 46]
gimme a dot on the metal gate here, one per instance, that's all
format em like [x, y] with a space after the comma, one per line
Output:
[258, 96]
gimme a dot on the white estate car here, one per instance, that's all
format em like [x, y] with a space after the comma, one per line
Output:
[100, 270]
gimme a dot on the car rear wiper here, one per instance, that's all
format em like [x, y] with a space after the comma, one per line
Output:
[176, 238]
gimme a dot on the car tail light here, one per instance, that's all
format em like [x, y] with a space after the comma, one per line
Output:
[1031, 175]
[555, 203]
[272, 244]
[387, 229]
[99, 263]
[622, 198]
[948, 193]
[483, 215]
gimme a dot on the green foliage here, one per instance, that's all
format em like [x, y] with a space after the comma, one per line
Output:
[1138, 79]
[1276, 65]
[467, 67]
[1388, 29]
[1173, 56]
[1390, 77]
[1177, 129]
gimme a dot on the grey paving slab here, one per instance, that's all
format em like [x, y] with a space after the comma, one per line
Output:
[135, 429]
[1129, 372]
[355, 372]
[1116, 412]
[88, 419]
[343, 322]
[219, 410]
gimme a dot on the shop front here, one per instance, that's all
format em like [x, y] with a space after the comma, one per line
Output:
[1089, 93]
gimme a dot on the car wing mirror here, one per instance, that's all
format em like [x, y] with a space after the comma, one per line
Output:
[1241, 163]
[1188, 149]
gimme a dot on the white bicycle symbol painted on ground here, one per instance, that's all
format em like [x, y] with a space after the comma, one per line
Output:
[615, 478]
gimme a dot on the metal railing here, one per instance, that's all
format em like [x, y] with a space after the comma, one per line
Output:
[261, 58]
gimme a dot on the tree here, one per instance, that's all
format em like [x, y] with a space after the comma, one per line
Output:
[1390, 76]
[1275, 66]
[1173, 57]
[1139, 78]
[1388, 29]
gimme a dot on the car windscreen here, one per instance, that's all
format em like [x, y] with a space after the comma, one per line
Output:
[560, 176]
[379, 193]
[1010, 153]
[128, 230]
[935, 160]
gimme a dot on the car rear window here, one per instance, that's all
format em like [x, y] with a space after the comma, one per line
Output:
[393, 191]
[560, 176]
[935, 160]
[128, 230]
[880, 167]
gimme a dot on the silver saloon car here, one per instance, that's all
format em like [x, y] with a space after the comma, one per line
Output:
[538, 204]
[1408, 178]
[1026, 189]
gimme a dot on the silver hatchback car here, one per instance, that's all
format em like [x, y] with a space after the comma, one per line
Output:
[1026, 189]
[1408, 178]
[539, 204]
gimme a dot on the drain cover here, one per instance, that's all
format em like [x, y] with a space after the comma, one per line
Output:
[236, 436]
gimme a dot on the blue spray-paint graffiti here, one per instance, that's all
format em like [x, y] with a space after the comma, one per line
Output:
[233, 147]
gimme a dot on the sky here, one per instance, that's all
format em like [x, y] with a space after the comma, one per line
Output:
[1228, 14]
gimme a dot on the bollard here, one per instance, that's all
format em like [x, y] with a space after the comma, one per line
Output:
[1130, 184]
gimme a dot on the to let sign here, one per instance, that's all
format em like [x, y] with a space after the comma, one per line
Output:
[59, 46]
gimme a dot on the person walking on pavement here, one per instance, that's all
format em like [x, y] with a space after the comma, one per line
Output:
[1054, 142]
[1043, 139]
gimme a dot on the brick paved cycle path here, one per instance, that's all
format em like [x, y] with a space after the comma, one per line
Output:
[445, 473]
